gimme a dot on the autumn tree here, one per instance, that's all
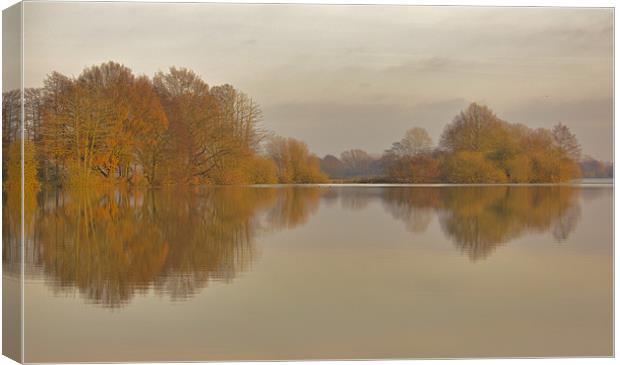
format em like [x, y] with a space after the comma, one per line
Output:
[11, 111]
[294, 162]
[475, 129]
[82, 130]
[507, 152]
[108, 126]
[417, 169]
[11, 132]
[241, 116]
[94, 126]
[200, 137]
[416, 141]
[566, 142]
[109, 86]
[52, 150]
[471, 167]
[261, 170]
[411, 160]
[241, 112]
[149, 129]
[32, 113]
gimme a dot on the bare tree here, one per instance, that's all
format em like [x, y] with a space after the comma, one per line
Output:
[356, 162]
[566, 141]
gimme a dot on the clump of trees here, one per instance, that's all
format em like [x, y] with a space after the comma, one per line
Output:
[293, 161]
[11, 140]
[109, 126]
[352, 165]
[477, 147]
[592, 168]
[412, 159]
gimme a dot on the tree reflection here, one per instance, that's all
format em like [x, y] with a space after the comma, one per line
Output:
[99, 244]
[357, 199]
[414, 206]
[479, 219]
[504, 213]
[111, 245]
[11, 229]
[293, 206]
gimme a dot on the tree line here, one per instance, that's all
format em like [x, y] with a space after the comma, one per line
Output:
[109, 126]
[476, 147]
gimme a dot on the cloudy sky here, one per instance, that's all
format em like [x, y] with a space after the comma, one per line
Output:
[342, 77]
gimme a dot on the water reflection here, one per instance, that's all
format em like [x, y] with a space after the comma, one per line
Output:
[293, 206]
[415, 207]
[479, 219]
[11, 230]
[111, 245]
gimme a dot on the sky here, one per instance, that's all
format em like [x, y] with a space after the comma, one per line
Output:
[343, 77]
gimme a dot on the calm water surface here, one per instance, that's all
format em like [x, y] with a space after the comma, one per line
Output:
[317, 272]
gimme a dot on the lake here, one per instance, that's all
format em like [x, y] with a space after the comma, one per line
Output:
[316, 272]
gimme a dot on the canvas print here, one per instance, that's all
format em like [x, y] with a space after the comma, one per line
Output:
[226, 182]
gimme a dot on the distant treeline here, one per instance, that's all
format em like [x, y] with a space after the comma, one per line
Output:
[83, 239]
[592, 168]
[477, 147]
[108, 126]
